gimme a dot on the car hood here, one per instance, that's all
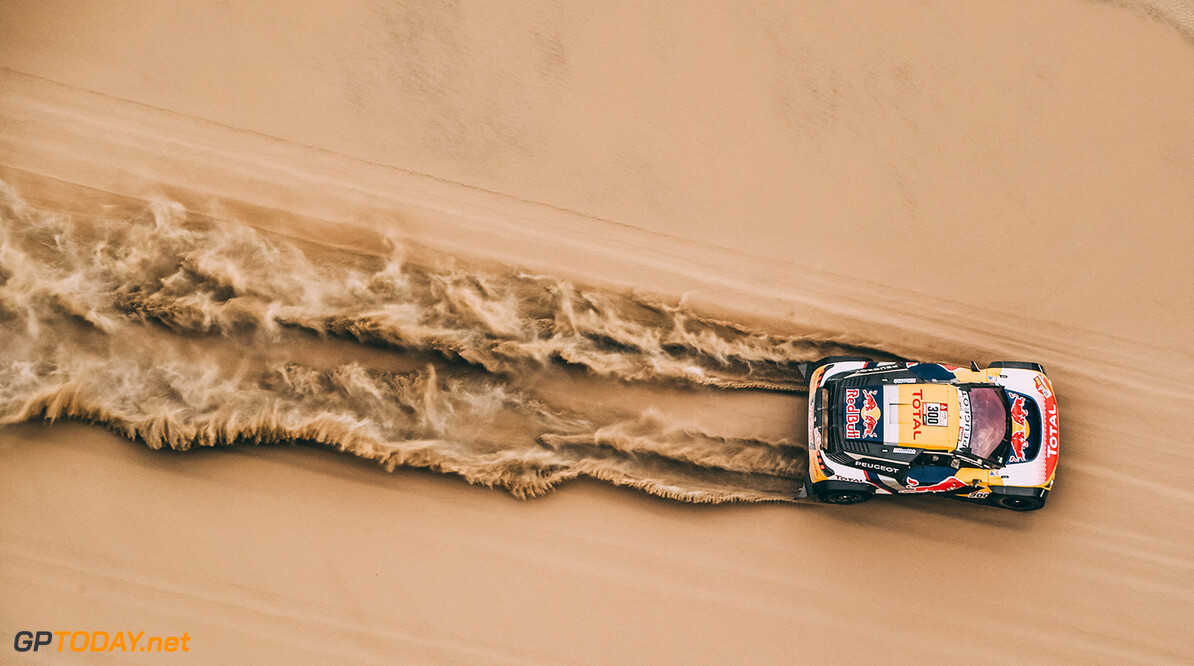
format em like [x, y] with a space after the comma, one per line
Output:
[1034, 423]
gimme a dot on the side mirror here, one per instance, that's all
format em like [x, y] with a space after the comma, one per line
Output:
[974, 366]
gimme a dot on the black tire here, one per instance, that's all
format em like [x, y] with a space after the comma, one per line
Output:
[1019, 502]
[1018, 365]
[844, 496]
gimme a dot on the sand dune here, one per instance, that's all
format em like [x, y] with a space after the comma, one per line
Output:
[532, 245]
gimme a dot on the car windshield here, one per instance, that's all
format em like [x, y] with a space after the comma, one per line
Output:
[988, 419]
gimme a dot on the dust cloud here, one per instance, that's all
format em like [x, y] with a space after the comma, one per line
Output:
[180, 331]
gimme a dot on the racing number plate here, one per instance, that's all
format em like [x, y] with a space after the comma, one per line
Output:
[936, 414]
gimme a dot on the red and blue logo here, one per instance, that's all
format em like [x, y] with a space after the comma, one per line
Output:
[864, 417]
[1026, 435]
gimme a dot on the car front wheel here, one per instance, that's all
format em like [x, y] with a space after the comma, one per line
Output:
[1019, 502]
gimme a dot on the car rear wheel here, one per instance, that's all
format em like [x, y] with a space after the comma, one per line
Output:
[1018, 365]
[1019, 502]
[845, 496]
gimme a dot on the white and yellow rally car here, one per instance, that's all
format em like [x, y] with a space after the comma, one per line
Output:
[986, 436]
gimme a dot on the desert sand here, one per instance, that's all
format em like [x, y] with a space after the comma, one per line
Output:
[511, 296]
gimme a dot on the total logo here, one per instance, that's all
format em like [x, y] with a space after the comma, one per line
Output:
[1050, 437]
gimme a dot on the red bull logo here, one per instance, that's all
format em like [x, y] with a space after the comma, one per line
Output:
[861, 419]
[1020, 429]
[1019, 414]
[852, 413]
[951, 483]
[1019, 444]
[870, 413]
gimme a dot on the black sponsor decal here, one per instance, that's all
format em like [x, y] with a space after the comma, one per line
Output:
[880, 467]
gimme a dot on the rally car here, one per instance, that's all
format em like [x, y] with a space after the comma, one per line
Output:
[982, 435]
